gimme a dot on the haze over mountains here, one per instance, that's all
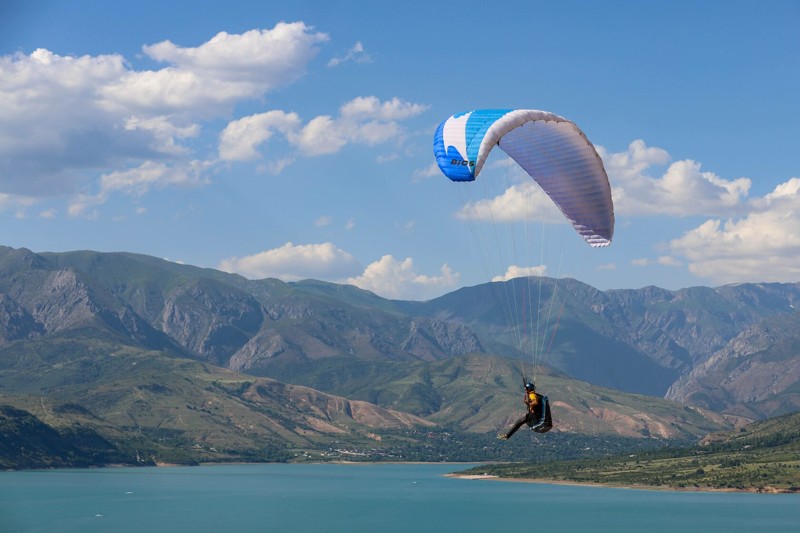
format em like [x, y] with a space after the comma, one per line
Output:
[125, 340]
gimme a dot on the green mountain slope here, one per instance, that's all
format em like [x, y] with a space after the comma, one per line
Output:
[26, 442]
[639, 340]
[157, 407]
[178, 363]
[480, 393]
[167, 409]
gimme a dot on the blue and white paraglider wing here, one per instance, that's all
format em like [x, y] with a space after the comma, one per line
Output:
[550, 148]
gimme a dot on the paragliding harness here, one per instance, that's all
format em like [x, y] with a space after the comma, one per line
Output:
[544, 423]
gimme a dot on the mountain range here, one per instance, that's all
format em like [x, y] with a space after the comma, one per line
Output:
[196, 359]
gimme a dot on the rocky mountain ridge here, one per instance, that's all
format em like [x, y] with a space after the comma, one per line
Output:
[647, 340]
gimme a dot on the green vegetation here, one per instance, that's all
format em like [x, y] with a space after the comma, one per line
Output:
[481, 394]
[453, 445]
[763, 457]
[156, 408]
[25, 442]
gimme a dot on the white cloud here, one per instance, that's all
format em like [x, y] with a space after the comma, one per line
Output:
[682, 190]
[363, 120]
[66, 119]
[164, 133]
[762, 246]
[138, 181]
[293, 262]
[321, 136]
[219, 72]
[524, 201]
[370, 107]
[784, 196]
[754, 239]
[387, 277]
[91, 126]
[356, 54]
[151, 175]
[50, 124]
[633, 162]
[391, 278]
[515, 271]
[240, 139]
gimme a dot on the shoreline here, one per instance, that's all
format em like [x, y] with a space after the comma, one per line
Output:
[455, 475]
[490, 477]
[541, 481]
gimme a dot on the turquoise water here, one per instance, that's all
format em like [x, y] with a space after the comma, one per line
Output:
[356, 498]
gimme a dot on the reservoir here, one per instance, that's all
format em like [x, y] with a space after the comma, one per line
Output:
[361, 498]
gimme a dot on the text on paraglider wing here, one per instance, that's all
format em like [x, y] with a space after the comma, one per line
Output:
[462, 162]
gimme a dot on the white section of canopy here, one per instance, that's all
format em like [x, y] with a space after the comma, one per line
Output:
[454, 134]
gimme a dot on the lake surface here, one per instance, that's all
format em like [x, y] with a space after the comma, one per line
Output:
[361, 498]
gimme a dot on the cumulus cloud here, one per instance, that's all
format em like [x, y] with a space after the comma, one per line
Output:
[749, 239]
[293, 262]
[515, 271]
[523, 201]
[387, 276]
[363, 120]
[218, 73]
[164, 133]
[371, 108]
[64, 120]
[392, 278]
[682, 190]
[241, 138]
[761, 246]
[50, 124]
[785, 196]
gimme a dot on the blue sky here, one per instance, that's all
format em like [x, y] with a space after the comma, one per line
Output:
[294, 140]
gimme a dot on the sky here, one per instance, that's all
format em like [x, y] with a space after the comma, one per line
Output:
[294, 139]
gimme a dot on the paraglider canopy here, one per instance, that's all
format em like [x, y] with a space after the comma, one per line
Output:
[550, 148]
